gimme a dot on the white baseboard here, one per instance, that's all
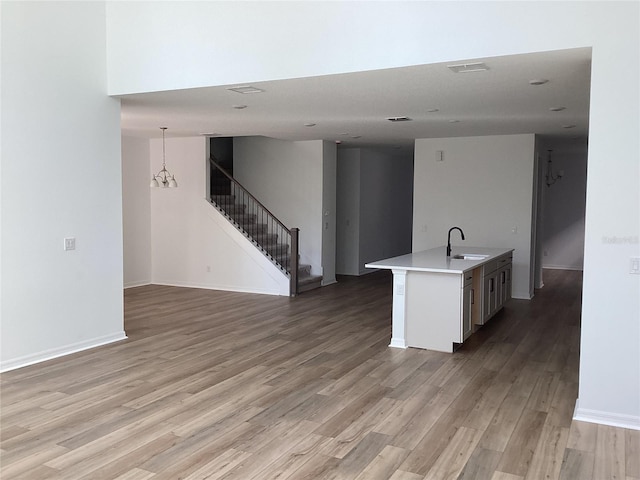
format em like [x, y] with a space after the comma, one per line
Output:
[137, 284]
[224, 288]
[60, 352]
[398, 343]
[562, 267]
[606, 418]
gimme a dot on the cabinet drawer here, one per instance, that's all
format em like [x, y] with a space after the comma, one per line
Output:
[502, 261]
[490, 267]
[467, 279]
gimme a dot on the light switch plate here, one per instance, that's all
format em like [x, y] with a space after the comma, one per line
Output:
[634, 266]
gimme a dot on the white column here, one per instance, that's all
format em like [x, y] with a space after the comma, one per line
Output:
[398, 320]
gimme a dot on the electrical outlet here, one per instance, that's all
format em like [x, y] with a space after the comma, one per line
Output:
[70, 243]
[634, 266]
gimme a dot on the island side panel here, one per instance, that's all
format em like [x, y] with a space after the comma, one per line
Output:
[433, 310]
[398, 318]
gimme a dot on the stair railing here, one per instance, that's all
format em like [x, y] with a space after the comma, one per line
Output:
[255, 221]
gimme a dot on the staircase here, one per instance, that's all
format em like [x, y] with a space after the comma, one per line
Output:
[260, 230]
[306, 281]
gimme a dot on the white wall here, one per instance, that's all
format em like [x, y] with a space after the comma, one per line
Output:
[539, 207]
[348, 212]
[610, 338]
[485, 187]
[329, 172]
[192, 244]
[288, 179]
[61, 177]
[136, 211]
[563, 220]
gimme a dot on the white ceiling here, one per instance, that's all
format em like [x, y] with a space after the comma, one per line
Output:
[497, 101]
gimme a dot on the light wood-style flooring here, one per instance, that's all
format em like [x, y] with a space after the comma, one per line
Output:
[219, 385]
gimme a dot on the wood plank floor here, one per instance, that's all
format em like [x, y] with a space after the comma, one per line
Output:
[218, 385]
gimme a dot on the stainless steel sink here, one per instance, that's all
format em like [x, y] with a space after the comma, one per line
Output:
[470, 256]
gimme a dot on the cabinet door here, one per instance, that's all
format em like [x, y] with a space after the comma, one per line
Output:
[490, 296]
[486, 298]
[507, 290]
[504, 285]
[467, 302]
[502, 288]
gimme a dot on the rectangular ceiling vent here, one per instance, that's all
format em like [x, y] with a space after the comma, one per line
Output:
[468, 67]
[245, 89]
[399, 119]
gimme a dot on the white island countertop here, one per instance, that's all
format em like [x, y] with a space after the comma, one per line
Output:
[435, 260]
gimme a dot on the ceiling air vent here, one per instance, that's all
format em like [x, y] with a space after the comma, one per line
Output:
[245, 89]
[468, 67]
[399, 119]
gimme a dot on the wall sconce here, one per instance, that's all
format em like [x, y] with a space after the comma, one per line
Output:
[163, 178]
[551, 178]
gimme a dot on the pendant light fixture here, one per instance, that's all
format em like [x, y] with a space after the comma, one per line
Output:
[163, 178]
[551, 178]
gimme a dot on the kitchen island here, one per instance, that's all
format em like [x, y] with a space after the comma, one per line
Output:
[439, 300]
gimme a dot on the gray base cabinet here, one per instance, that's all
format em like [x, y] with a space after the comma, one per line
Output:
[496, 282]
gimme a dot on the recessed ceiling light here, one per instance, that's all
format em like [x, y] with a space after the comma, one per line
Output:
[338, 142]
[557, 109]
[399, 119]
[239, 107]
[309, 124]
[433, 110]
[468, 67]
[568, 126]
[538, 81]
[246, 89]
[454, 121]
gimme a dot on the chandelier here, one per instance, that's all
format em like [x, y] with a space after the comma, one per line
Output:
[163, 178]
[551, 178]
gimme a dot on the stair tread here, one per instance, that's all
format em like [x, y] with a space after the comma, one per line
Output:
[309, 279]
